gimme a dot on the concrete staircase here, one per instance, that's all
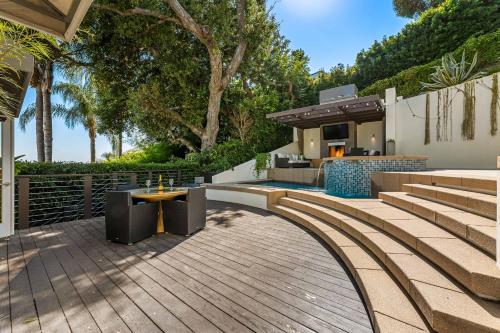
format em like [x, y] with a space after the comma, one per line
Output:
[423, 258]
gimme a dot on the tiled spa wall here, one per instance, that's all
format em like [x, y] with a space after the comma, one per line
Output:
[351, 178]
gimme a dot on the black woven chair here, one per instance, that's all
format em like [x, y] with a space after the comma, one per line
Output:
[128, 221]
[188, 214]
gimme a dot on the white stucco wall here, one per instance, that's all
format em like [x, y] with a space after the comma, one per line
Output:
[243, 198]
[371, 135]
[455, 153]
[312, 143]
[245, 171]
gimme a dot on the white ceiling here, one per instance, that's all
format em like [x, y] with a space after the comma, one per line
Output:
[59, 18]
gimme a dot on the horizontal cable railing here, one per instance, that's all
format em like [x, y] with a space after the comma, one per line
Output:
[46, 199]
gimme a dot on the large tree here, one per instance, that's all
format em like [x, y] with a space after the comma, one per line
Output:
[412, 8]
[224, 29]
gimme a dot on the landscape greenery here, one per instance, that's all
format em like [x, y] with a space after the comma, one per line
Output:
[191, 82]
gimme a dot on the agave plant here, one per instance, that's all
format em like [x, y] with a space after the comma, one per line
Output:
[452, 72]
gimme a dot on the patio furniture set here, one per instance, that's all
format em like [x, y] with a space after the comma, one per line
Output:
[134, 214]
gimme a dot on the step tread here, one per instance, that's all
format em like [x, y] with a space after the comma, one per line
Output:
[431, 290]
[476, 229]
[479, 203]
[469, 265]
[389, 306]
[465, 193]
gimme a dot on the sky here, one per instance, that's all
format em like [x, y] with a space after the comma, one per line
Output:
[329, 31]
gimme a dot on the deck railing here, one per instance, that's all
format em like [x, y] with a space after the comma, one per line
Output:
[46, 199]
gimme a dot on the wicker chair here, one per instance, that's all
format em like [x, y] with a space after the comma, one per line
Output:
[188, 214]
[128, 221]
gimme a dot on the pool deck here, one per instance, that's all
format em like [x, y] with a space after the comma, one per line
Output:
[248, 270]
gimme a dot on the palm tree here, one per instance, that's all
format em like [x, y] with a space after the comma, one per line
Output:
[82, 111]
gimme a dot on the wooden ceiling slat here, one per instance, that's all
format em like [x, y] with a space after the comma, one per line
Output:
[362, 109]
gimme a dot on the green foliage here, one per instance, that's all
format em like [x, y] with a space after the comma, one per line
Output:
[35, 168]
[437, 31]
[412, 8]
[155, 153]
[407, 82]
[494, 106]
[452, 72]
[262, 162]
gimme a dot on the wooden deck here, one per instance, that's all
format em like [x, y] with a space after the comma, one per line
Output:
[247, 271]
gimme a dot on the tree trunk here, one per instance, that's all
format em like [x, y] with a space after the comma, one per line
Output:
[47, 125]
[212, 128]
[120, 144]
[40, 146]
[47, 110]
[92, 136]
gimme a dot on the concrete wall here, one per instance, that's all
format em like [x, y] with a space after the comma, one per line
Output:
[371, 136]
[455, 153]
[245, 171]
[312, 143]
[243, 198]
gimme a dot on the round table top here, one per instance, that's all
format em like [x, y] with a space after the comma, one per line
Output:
[155, 195]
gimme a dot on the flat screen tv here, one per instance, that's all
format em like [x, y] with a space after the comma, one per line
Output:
[336, 132]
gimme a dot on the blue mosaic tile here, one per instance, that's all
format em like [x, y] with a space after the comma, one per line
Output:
[352, 178]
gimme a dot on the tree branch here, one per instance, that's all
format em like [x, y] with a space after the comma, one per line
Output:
[239, 52]
[186, 20]
[138, 11]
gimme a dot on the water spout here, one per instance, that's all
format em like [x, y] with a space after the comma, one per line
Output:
[319, 172]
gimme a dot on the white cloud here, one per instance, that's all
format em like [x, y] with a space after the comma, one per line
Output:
[309, 8]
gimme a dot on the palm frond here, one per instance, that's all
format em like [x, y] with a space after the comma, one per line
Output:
[26, 116]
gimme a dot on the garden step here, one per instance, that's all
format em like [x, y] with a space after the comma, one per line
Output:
[478, 203]
[390, 308]
[476, 229]
[470, 266]
[446, 306]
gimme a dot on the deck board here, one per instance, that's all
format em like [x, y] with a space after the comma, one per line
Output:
[247, 271]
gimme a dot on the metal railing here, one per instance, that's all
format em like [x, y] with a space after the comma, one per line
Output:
[46, 199]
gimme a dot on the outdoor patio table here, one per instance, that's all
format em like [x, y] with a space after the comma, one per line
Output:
[159, 196]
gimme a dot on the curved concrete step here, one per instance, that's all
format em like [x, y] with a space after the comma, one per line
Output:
[478, 203]
[474, 269]
[446, 306]
[477, 230]
[389, 306]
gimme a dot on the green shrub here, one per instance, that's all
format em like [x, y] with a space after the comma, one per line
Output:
[436, 32]
[262, 162]
[407, 82]
[35, 168]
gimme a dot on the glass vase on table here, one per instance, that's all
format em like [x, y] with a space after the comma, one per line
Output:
[148, 184]
[171, 183]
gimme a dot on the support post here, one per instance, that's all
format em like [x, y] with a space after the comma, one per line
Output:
[24, 202]
[179, 177]
[498, 213]
[133, 178]
[8, 172]
[87, 196]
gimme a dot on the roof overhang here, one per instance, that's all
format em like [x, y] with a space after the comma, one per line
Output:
[18, 83]
[59, 18]
[360, 110]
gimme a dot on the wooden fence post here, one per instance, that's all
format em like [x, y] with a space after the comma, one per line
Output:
[179, 177]
[24, 202]
[133, 178]
[87, 196]
[114, 177]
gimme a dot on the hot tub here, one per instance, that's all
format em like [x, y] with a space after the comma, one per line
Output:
[350, 176]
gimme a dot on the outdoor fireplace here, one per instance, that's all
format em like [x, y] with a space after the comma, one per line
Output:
[336, 149]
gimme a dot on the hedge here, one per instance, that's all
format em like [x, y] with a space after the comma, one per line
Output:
[407, 82]
[436, 32]
[35, 168]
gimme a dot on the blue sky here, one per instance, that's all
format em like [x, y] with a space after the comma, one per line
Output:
[329, 31]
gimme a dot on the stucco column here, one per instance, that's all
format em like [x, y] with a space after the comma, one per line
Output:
[7, 136]
[498, 213]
